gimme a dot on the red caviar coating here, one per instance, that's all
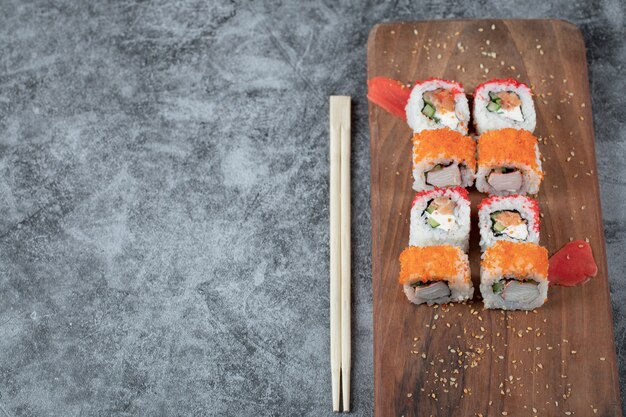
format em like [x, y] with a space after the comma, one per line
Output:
[508, 146]
[444, 143]
[460, 190]
[505, 81]
[534, 206]
[389, 94]
[519, 259]
[431, 263]
[457, 89]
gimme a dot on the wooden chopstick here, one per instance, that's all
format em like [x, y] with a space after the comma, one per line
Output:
[340, 250]
[335, 247]
[346, 246]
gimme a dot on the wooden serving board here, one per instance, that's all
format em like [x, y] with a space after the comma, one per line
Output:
[461, 360]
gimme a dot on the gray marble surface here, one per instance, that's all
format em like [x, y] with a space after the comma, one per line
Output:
[163, 191]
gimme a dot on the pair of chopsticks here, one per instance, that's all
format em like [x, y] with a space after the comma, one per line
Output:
[340, 280]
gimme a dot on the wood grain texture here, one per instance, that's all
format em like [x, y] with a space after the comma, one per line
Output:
[462, 360]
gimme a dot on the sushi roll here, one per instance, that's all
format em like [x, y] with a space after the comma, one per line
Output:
[514, 218]
[437, 103]
[508, 163]
[435, 274]
[440, 216]
[499, 104]
[443, 158]
[514, 276]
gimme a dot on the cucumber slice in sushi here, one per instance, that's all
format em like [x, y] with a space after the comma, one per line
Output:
[428, 110]
[493, 106]
[497, 287]
[499, 227]
[433, 223]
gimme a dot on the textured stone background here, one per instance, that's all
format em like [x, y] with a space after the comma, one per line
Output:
[163, 191]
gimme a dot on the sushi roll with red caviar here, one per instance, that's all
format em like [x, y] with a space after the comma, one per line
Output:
[508, 163]
[514, 218]
[437, 103]
[440, 216]
[435, 274]
[514, 276]
[443, 158]
[499, 104]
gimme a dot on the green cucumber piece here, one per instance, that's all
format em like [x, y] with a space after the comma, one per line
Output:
[436, 167]
[497, 287]
[493, 107]
[498, 227]
[494, 214]
[493, 96]
[432, 222]
[428, 110]
[430, 209]
[418, 284]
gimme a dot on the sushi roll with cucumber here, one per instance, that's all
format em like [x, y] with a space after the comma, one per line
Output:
[514, 218]
[514, 276]
[508, 162]
[499, 104]
[435, 274]
[443, 158]
[437, 103]
[440, 216]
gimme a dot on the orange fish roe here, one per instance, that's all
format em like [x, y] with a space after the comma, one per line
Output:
[519, 259]
[496, 147]
[444, 143]
[432, 263]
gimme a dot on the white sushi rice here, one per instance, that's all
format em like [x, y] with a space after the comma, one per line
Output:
[422, 234]
[485, 120]
[492, 300]
[419, 121]
[524, 205]
[460, 285]
[531, 180]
